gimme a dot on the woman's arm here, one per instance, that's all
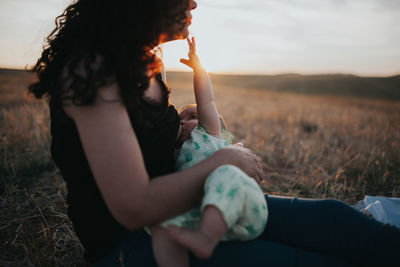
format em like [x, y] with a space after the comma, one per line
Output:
[115, 158]
[206, 109]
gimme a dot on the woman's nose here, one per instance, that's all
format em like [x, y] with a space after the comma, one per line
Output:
[193, 5]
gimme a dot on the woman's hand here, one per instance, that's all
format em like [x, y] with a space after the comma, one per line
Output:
[244, 159]
[193, 61]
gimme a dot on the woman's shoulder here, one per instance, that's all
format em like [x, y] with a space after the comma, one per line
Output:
[103, 90]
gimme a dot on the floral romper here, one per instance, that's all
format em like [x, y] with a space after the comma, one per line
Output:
[234, 193]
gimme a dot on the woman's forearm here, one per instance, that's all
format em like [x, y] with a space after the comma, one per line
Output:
[170, 195]
[167, 196]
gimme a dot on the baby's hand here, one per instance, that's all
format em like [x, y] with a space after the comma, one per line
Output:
[193, 61]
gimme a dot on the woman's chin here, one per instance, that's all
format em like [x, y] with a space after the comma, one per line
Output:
[182, 35]
[185, 33]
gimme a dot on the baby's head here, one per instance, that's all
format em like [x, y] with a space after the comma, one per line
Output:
[189, 121]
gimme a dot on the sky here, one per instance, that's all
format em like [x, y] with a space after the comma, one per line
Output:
[359, 37]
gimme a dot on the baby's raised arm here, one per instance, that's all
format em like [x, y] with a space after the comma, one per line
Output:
[206, 109]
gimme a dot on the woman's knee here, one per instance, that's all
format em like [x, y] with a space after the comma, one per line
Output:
[333, 204]
[294, 205]
[328, 208]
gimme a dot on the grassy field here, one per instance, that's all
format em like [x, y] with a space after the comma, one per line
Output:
[330, 143]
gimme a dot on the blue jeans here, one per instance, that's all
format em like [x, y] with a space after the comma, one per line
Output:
[299, 232]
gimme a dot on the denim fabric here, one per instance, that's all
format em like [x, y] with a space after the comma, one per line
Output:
[299, 232]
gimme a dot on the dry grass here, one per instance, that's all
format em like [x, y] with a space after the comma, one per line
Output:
[34, 228]
[311, 146]
[315, 146]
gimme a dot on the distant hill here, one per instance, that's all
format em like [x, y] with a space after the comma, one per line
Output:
[324, 84]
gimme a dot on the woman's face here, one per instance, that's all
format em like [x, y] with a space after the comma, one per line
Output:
[177, 32]
[192, 6]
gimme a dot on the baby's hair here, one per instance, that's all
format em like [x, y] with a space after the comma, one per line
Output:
[221, 119]
[185, 107]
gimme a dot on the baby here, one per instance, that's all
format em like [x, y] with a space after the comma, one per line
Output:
[233, 206]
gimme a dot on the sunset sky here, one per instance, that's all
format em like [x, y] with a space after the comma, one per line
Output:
[253, 36]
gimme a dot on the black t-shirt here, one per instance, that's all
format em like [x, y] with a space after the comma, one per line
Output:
[96, 228]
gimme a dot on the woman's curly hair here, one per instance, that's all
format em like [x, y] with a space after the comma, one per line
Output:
[100, 41]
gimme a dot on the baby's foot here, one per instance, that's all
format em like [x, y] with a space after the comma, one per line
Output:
[201, 244]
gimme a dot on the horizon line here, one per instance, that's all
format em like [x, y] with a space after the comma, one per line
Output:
[232, 73]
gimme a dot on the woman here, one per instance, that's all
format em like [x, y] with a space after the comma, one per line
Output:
[113, 137]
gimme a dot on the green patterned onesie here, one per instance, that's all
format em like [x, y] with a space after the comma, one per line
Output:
[235, 194]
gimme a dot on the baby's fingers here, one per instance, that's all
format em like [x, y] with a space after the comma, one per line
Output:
[190, 43]
[186, 62]
[261, 172]
[193, 41]
[193, 45]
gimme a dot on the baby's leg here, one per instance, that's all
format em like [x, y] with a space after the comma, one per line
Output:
[166, 251]
[223, 204]
[203, 240]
